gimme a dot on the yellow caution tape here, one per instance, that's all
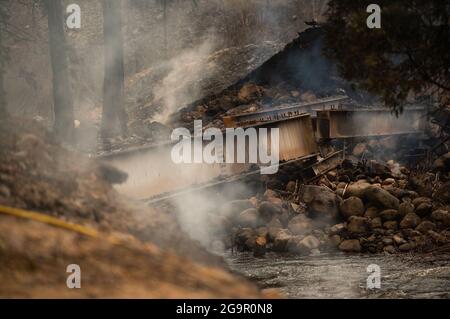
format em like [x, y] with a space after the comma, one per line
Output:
[46, 219]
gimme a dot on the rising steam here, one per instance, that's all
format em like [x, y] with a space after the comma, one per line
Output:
[181, 85]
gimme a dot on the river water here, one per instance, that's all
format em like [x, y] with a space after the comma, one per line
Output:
[345, 276]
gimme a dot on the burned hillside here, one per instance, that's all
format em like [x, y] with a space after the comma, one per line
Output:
[222, 148]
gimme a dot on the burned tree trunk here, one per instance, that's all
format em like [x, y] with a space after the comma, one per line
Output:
[3, 57]
[114, 119]
[62, 95]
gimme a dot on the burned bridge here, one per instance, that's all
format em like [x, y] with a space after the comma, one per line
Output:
[303, 129]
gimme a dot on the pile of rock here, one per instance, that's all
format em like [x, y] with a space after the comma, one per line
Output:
[353, 209]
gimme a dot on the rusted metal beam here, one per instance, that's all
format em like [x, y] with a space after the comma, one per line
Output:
[369, 122]
[284, 112]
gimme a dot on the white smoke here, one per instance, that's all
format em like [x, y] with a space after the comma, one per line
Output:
[181, 85]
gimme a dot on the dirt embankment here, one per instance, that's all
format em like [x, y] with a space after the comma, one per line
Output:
[155, 258]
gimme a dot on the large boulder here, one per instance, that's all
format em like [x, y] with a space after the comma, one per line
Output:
[303, 245]
[244, 238]
[376, 223]
[249, 218]
[352, 206]
[441, 216]
[424, 209]
[420, 200]
[390, 214]
[371, 212]
[281, 240]
[337, 229]
[442, 194]
[350, 245]
[425, 226]
[390, 225]
[322, 204]
[300, 225]
[405, 208]
[381, 198]
[411, 220]
[268, 210]
[357, 189]
[357, 225]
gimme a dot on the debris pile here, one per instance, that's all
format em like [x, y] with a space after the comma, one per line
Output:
[357, 207]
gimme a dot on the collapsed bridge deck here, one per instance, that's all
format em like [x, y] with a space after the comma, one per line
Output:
[151, 171]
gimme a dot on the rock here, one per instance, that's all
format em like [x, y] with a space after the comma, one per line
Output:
[381, 198]
[387, 241]
[442, 216]
[303, 245]
[249, 218]
[391, 225]
[268, 210]
[262, 232]
[406, 247]
[389, 181]
[310, 242]
[420, 200]
[350, 245]
[281, 240]
[341, 185]
[421, 185]
[411, 220]
[371, 212]
[300, 225]
[389, 214]
[244, 237]
[410, 233]
[335, 240]
[321, 203]
[270, 193]
[259, 248]
[356, 189]
[249, 92]
[405, 208]
[276, 201]
[254, 201]
[359, 149]
[275, 223]
[389, 249]
[442, 194]
[337, 229]
[339, 192]
[357, 225]
[399, 240]
[376, 223]
[423, 209]
[4, 191]
[425, 226]
[352, 206]
[440, 239]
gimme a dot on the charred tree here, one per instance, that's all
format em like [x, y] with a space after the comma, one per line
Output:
[114, 119]
[2, 87]
[3, 58]
[62, 94]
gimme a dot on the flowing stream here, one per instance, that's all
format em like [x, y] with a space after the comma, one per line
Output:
[345, 276]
